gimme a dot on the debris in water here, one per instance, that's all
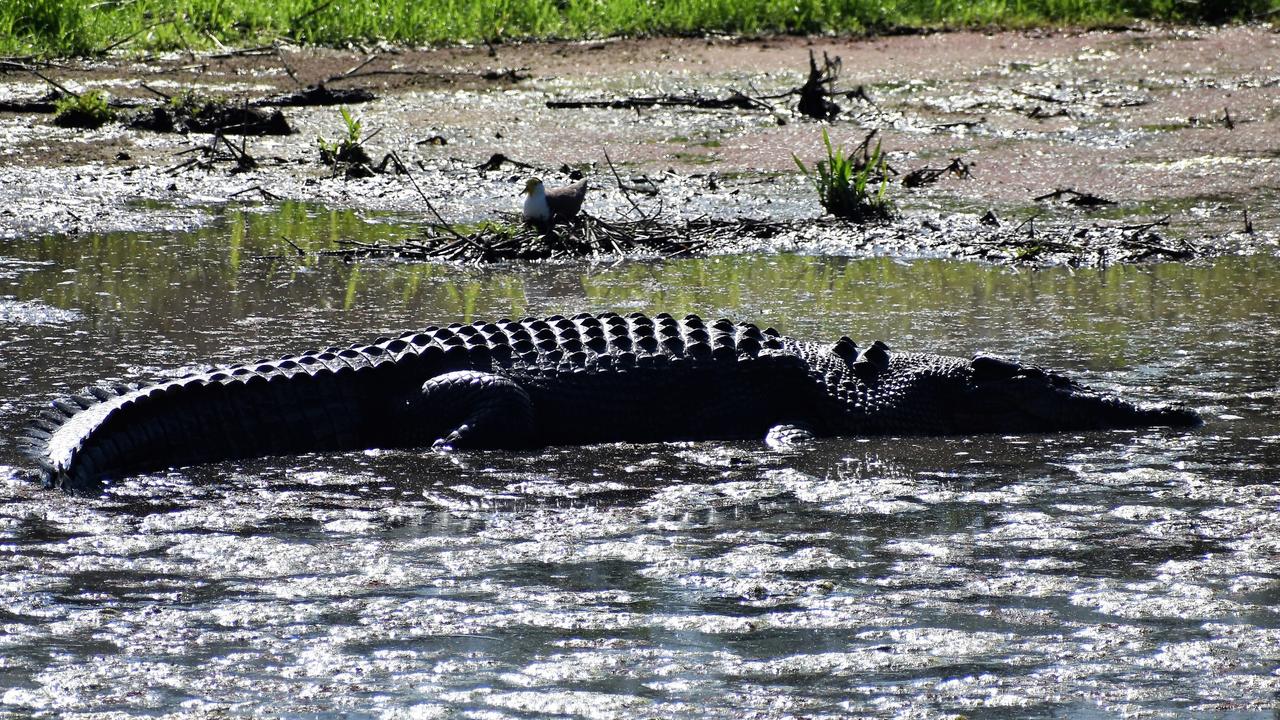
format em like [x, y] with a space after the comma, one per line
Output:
[927, 175]
[1074, 197]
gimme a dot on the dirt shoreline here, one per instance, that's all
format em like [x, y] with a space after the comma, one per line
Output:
[1175, 122]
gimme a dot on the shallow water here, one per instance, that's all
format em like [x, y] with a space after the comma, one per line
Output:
[1082, 576]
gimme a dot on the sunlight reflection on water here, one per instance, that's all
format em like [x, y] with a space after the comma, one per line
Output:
[1039, 576]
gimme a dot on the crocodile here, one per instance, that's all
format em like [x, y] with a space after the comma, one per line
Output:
[590, 378]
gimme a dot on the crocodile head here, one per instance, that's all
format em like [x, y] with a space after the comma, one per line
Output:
[1003, 395]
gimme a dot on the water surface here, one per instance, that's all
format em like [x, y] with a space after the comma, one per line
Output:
[1078, 575]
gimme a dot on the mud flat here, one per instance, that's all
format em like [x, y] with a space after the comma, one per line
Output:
[1086, 148]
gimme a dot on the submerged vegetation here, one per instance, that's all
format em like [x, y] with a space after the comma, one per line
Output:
[79, 27]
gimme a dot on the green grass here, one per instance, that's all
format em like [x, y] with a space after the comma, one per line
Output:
[79, 27]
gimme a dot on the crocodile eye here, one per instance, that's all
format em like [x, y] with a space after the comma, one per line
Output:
[989, 367]
[1032, 372]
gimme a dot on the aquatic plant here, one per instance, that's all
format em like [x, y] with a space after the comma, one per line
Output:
[86, 110]
[844, 181]
[347, 154]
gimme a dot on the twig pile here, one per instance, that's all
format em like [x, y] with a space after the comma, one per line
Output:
[585, 236]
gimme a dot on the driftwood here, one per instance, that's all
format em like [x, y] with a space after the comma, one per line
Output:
[1096, 243]
[1039, 113]
[589, 237]
[47, 104]
[266, 194]
[250, 52]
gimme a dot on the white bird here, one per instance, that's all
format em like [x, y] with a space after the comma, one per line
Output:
[545, 207]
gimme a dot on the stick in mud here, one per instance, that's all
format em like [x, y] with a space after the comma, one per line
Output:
[625, 192]
[815, 94]
[402, 168]
[262, 191]
[737, 100]
[928, 176]
[1075, 197]
[496, 161]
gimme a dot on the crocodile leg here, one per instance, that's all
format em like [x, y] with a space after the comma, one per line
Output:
[479, 410]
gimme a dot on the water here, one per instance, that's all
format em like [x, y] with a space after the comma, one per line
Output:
[1080, 576]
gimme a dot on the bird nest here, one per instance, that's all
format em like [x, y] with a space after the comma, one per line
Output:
[583, 236]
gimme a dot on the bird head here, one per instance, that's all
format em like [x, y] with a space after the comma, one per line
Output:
[531, 186]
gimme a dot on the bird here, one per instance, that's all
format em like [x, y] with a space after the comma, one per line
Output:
[545, 207]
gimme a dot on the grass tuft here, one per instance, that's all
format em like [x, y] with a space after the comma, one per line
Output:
[86, 110]
[347, 155]
[347, 149]
[844, 181]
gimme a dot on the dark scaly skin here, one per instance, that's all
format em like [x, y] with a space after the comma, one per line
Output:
[554, 381]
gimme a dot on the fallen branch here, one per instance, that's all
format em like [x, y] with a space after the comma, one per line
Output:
[265, 193]
[625, 191]
[736, 100]
[245, 52]
[212, 154]
[959, 123]
[1041, 97]
[43, 106]
[928, 176]
[511, 74]
[403, 169]
[814, 95]
[1074, 197]
[131, 36]
[1039, 113]
[1140, 227]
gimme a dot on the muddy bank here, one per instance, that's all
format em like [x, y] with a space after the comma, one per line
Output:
[1159, 123]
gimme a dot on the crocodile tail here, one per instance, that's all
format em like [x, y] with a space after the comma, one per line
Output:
[322, 401]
